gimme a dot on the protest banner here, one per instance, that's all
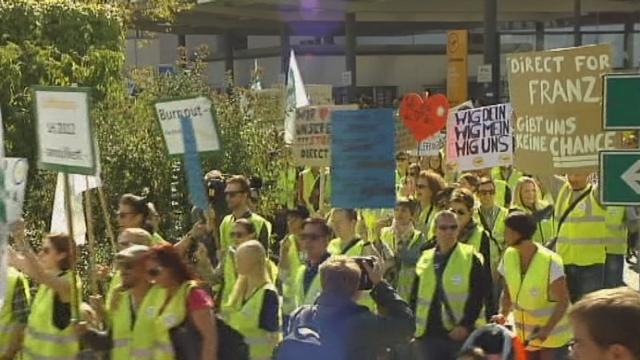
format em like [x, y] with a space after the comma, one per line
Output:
[312, 141]
[433, 145]
[64, 130]
[362, 159]
[481, 138]
[200, 110]
[557, 98]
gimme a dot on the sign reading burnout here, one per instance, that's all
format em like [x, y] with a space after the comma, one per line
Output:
[480, 138]
[65, 135]
[557, 98]
[199, 110]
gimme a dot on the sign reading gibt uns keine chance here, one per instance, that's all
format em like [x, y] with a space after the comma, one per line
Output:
[557, 98]
[199, 110]
[64, 126]
[480, 138]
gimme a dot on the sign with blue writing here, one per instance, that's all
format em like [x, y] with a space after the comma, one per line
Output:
[362, 159]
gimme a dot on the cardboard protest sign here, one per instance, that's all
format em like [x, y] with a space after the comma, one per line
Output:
[199, 109]
[312, 141]
[432, 145]
[362, 159]
[557, 98]
[65, 134]
[482, 138]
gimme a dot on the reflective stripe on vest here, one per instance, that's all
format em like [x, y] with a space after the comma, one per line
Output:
[43, 340]
[245, 318]
[582, 236]
[530, 296]
[455, 283]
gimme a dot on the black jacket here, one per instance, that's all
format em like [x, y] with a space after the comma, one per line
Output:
[366, 334]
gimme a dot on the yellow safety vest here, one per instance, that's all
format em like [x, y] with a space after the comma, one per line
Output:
[512, 181]
[616, 242]
[43, 340]
[227, 224]
[114, 285]
[286, 189]
[300, 296]
[582, 236]
[455, 284]
[475, 240]
[8, 325]
[173, 314]
[497, 232]
[400, 179]
[425, 221]
[288, 284]
[545, 228]
[336, 247]
[501, 192]
[531, 299]
[245, 318]
[135, 341]
[407, 274]
[230, 274]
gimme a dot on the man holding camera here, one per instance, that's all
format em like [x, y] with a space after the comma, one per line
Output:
[345, 329]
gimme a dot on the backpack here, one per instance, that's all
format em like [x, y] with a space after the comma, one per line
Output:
[231, 344]
[311, 339]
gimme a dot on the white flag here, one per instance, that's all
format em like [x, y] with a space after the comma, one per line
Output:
[78, 184]
[296, 98]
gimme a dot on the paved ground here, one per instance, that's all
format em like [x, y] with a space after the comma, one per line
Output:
[631, 277]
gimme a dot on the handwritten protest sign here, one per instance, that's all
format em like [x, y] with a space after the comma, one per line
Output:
[482, 138]
[312, 142]
[65, 135]
[432, 145]
[557, 98]
[362, 159]
[199, 110]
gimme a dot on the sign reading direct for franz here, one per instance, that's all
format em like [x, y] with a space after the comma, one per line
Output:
[65, 135]
[199, 110]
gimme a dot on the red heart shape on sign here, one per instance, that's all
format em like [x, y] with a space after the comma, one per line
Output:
[424, 117]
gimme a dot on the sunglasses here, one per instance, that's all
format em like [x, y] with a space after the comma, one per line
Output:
[238, 234]
[233, 193]
[154, 272]
[487, 192]
[459, 212]
[310, 237]
[448, 227]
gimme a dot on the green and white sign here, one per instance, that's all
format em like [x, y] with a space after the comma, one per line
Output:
[65, 131]
[620, 177]
[200, 111]
[620, 102]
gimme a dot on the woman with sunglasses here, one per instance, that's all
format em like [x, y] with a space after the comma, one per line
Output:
[137, 212]
[462, 204]
[528, 199]
[49, 333]
[254, 307]
[185, 328]
[427, 186]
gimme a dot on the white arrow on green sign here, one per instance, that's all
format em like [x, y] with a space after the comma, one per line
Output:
[620, 177]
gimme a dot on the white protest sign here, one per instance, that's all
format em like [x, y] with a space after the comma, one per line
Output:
[199, 109]
[432, 145]
[65, 135]
[14, 176]
[482, 138]
[59, 215]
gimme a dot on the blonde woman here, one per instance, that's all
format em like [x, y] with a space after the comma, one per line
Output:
[528, 198]
[254, 308]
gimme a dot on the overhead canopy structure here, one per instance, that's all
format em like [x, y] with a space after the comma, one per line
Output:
[380, 17]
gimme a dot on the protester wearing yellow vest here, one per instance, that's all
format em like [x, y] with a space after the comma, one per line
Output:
[405, 243]
[344, 225]
[429, 184]
[291, 255]
[402, 167]
[237, 194]
[508, 174]
[14, 314]
[286, 189]
[49, 334]
[618, 222]
[528, 198]
[186, 307]
[490, 215]
[536, 291]
[310, 183]
[254, 308]
[581, 235]
[137, 212]
[448, 292]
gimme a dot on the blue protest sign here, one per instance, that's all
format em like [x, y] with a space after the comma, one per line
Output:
[362, 159]
[192, 165]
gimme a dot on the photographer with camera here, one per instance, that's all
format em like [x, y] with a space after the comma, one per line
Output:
[338, 328]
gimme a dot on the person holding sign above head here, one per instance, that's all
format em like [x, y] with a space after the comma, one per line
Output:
[535, 289]
[528, 198]
[49, 332]
[137, 212]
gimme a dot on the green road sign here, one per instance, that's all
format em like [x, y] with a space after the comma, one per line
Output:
[620, 177]
[621, 97]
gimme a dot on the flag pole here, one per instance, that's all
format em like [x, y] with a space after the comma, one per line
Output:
[91, 244]
[74, 281]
